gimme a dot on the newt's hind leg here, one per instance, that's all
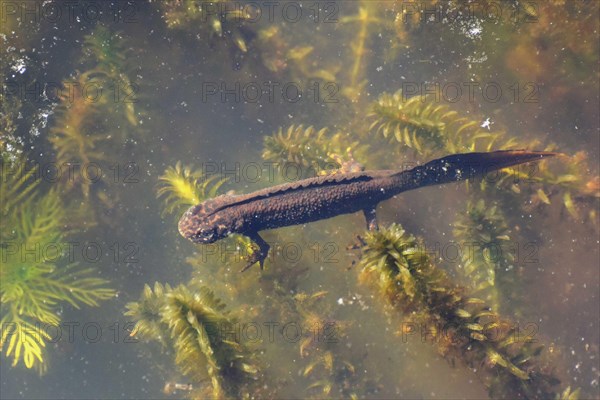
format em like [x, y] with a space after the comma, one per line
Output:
[371, 217]
[260, 255]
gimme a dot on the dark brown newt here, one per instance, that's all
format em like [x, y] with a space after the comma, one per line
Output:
[324, 197]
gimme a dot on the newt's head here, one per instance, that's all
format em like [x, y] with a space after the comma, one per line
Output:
[202, 224]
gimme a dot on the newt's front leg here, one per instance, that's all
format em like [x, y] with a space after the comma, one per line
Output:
[261, 254]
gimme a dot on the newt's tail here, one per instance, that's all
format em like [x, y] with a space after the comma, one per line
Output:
[458, 167]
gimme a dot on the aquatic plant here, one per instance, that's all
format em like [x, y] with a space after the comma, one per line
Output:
[310, 150]
[306, 148]
[429, 128]
[220, 20]
[573, 182]
[108, 58]
[482, 231]
[405, 25]
[558, 25]
[302, 63]
[75, 132]
[183, 187]
[330, 369]
[105, 51]
[33, 287]
[568, 180]
[81, 134]
[18, 182]
[569, 394]
[193, 325]
[463, 327]
[365, 19]
[273, 48]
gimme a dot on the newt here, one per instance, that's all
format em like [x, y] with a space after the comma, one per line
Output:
[322, 197]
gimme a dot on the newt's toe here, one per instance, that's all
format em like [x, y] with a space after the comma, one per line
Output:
[256, 257]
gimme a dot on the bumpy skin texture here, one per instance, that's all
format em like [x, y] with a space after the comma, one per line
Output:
[328, 196]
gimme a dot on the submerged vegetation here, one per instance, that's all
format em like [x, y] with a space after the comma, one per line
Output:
[37, 276]
[429, 128]
[82, 135]
[311, 151]
[351, 104]
[217, 22]
[483, 227]
[181, 187]
[191, 324]
[463, 327]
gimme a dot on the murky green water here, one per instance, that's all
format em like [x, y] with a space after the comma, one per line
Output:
[101, 101]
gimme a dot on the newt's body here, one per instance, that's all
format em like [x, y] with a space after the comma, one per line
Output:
[324, 197]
